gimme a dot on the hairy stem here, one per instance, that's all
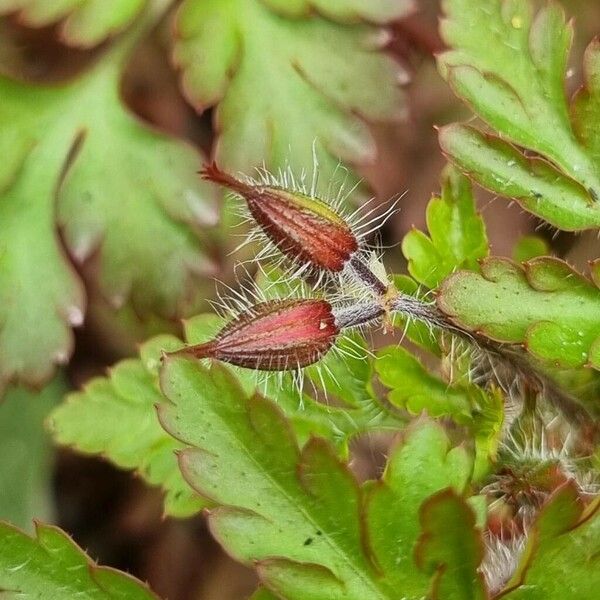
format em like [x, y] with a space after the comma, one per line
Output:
[507, 363]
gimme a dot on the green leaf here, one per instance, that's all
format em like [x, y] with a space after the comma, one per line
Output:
[543, 304]
[377, 11]
[457, 237]
[116, 417]
[51, 565]
[538, 186]
[414, 388]
[417, 390]
[422, 466]
[112, 207]
[562, 557]
[347, 377]
[528, 247]
[509, 66]
[282, 84]
[296, 512]
[277, 501]
[26, 465]
[263, 594]
[86, 22]
[450, 548]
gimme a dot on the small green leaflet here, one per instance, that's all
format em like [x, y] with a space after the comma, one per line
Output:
[544, 304]
[414, 388]
[51, 565]
[306, 541]
[283, 85]
[86, 22]
[509, 66]
[76, 159]
[562, 557]
[457, 237]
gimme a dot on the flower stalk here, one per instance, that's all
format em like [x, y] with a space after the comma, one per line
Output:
[289, 334]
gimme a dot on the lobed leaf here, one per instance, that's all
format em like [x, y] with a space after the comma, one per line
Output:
[508, 64]
[422, 466]
[115, 416]
[457, 236]
[307, 540]
[377, 11]
[543, 304]
[112, 207]
[51, 565]
[85, 22]
[417, 390]
[562, 555]
[414, 388]
[450, 548]
[538, 186]
[282, 85]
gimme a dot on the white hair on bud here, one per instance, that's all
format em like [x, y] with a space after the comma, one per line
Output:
[501, 559]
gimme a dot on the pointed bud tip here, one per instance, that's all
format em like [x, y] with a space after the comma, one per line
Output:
[305, 229]
[213, 173]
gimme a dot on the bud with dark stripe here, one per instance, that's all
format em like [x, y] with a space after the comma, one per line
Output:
[274, 336]
[303, 228]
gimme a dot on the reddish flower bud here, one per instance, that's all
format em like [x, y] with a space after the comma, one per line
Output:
[303, 228]
[274, 336]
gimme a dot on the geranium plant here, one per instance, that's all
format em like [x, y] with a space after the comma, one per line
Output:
[479, 371]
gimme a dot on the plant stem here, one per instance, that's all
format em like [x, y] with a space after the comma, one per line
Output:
[507, 364]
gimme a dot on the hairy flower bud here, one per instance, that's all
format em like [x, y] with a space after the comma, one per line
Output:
[303, 228]
[274, 336]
